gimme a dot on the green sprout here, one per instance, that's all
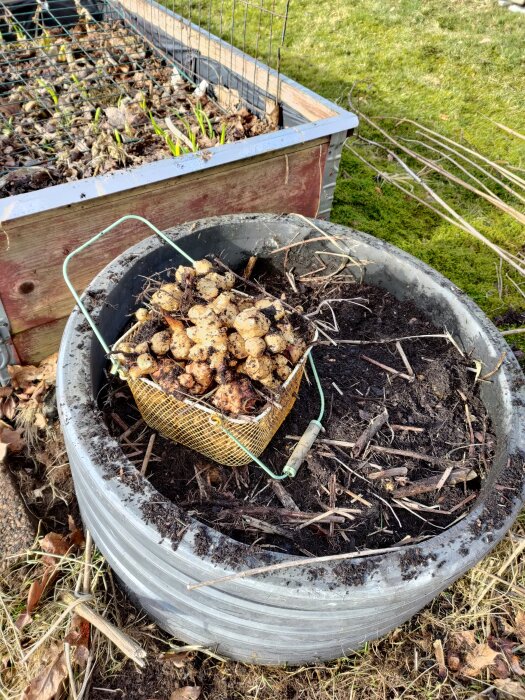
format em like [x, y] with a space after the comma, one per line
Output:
[79, 85]
[174, 147]
[8, 127]
[222, 138]
[156, 128]
[98, 114]
[203, 121]
[51, 92]
[118, 137]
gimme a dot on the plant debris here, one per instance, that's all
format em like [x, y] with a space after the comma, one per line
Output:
[403, 454]
[99, 99]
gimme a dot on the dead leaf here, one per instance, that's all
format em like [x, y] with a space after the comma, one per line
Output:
[3, 451]
[510, 689]
[440, 658]
[23, 620]
[178, 659]
[228, 98]
[519, 626]
[78, 636]
[5, 391]
[76, 535]
[22, 375]
[465, 638]
[453, 662]
[187, 693]
[48, 367]
[478, 659]
[53, 543]
[35, 593]
[12, 439]
[47, 684]
[499, 669]
[8, 408]
[515, 665]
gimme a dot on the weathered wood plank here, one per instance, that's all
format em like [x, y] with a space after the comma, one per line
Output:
[31, 283]
[37, 343]
[253, 71]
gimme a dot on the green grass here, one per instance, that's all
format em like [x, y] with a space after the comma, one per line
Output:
[449, 64]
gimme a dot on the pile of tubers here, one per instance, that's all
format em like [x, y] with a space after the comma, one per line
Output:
[203, 338]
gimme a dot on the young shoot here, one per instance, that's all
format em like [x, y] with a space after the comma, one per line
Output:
[80, 87]
[51, 92]
[156, 128]
[222, 138]
[8, 127]
[203, 121]
[174, 147]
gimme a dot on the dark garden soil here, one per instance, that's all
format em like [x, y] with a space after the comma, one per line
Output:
[99, 99]
[412, 477]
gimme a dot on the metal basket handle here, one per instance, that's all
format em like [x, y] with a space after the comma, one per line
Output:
[70, 256]
[304, 445]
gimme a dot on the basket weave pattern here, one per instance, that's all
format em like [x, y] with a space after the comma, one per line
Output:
[197, 426]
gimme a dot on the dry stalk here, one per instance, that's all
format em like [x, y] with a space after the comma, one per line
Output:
[500, 168]
[438, 169]
[292, 564]
[473, 164]
[464, 224]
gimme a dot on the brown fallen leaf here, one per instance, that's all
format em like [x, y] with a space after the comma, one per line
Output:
[440, 658]
[519, 626]
[499, 669]
[76, 535]
[478, 659]
[178, 659]
[7, 408]
[12, 439]
[465, 638]
[188, 692]
[506, 646]
[78, 636]
[55, 544]
[22, 375]
[47, 684]
[509, 689]
[453, 662]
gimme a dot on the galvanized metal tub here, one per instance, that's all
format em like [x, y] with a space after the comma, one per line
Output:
[287, 616]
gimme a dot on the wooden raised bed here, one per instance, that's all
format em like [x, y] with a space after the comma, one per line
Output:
[289, 170]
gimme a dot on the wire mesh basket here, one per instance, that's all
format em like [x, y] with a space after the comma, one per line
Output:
[196, 425]
[193, 423]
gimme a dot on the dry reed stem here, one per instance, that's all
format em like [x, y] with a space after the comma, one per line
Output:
[465, 225]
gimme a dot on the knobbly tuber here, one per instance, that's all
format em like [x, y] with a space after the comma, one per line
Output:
[199, 333]
[275, 342]
[236, 398]
[255, 347]
[160, 342]
[166, 375]
[142, 315]
[180, 345]
[168, 297]
[184, 275]
[251, 323]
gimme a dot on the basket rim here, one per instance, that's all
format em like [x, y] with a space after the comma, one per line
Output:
[211, 411]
